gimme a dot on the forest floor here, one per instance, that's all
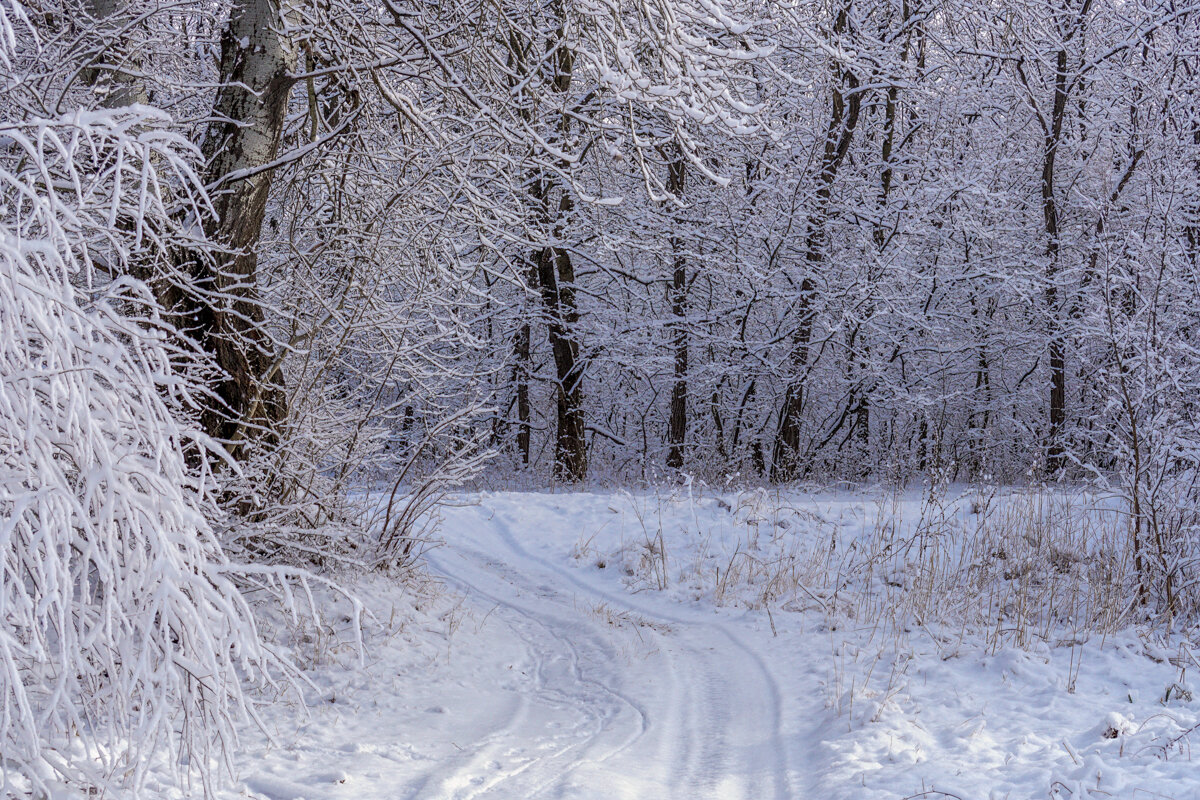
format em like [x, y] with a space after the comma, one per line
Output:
[623, 645]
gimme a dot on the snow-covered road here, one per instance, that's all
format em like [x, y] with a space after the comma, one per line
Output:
[629, 699]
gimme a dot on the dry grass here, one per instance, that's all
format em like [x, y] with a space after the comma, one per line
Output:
[1016, 566]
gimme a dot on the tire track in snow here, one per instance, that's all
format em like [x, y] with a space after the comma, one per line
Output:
[766, 773]
[711, 725]
[543, 759]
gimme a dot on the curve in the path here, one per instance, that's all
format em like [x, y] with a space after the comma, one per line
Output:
[579, 714]
[696, 714]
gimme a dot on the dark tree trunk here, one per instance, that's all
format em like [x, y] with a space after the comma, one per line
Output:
[844, 111]
[556, 279]
[1057, 343]
[677, 424]
[225, 315]
[518, 65]
[862, 382]
[1052, 130]
[521, 375]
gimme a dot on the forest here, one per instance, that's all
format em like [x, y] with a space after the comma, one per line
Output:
[283, 280]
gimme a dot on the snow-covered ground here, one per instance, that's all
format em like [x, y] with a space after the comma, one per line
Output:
[665, 644]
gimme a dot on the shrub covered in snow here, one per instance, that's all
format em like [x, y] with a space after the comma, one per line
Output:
[122, 627]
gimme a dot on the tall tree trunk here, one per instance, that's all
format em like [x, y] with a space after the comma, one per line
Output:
[863, 384]
[551, 271]
[1057, 343]
[844, 111]
[1052, 130]
[518, 82]
[226, 316]
[556, 278]
[677, 424]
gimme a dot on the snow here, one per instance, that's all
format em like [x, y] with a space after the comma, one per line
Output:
[546, 661]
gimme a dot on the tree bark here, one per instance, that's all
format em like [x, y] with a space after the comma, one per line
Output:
[119, 80]
[844, 112]
[521, 375]
[551, 272]
[226, 315]
[1057, 344]
[556, 278]
[1052, 130]
[677, 424]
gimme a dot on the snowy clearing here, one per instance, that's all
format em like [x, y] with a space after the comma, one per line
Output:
[551, 664]
[290, 290]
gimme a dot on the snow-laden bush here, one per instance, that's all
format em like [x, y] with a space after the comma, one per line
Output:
[123, 632]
